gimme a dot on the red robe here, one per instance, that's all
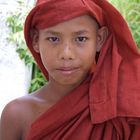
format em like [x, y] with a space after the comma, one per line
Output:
[106, 106]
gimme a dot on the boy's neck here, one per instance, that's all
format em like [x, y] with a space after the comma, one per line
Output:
[58, 91]
[53, 91]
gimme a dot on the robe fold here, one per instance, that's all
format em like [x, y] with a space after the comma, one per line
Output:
[106, 106]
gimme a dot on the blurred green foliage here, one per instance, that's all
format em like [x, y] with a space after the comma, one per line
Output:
[15, 22]
[130, 9]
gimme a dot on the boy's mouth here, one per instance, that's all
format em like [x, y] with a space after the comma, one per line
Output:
[68, 70]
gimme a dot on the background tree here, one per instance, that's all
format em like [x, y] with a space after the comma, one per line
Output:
[15, 22]
[130, 9]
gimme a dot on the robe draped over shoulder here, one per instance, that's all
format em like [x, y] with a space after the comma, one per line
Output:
[106, 106]
[70, 119]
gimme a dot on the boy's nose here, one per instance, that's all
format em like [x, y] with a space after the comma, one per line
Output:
[67, 52]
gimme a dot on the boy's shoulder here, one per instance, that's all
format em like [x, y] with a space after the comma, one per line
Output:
[25, 105]
[19, 105]
[13, 117]
[21, 113]
[19, 108]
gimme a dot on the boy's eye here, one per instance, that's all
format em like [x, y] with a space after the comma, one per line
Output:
[53, 39]
[81, 39]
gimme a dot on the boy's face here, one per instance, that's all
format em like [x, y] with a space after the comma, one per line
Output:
[68, 49]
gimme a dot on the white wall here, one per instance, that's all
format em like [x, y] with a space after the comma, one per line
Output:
[14, 76]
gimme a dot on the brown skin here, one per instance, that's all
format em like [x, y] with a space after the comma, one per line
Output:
[71, 46]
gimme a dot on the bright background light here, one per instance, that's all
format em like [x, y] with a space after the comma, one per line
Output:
[14, 76]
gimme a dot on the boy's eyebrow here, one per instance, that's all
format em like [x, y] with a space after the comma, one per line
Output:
[80, 32]
[58, 33]
[51, 32]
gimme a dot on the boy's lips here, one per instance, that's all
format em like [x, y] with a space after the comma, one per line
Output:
[67, 70]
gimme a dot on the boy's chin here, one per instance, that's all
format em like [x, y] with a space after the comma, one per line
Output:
[68, 81]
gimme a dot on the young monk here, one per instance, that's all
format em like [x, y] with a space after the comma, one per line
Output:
[86, 51]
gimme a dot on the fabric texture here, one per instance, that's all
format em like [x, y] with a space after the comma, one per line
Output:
[106, 106]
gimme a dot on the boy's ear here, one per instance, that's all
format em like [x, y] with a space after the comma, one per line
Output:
[102, 35]
[35, 40]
